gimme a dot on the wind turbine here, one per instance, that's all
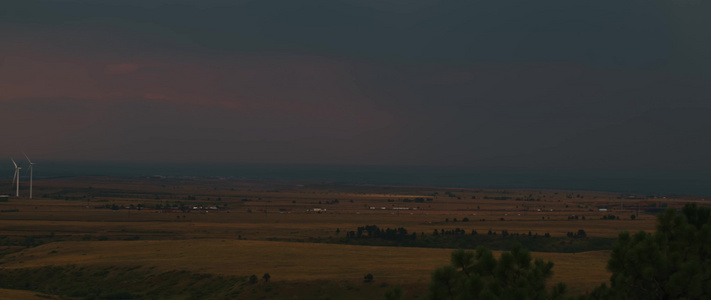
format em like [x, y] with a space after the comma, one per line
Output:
[16, 177]
[31, 164]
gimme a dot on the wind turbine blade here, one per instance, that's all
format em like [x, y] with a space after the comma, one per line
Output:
[28, 159]
[14, 177]
[13, 162]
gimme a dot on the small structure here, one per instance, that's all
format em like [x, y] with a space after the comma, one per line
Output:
[602, 209]
[4, 198]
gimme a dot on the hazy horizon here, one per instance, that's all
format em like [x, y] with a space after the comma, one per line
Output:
[647, 182]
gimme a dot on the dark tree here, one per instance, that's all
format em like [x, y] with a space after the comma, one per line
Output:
[368, 277]
[672, 263]
[478, 275]
[266, 277]
[253, 279]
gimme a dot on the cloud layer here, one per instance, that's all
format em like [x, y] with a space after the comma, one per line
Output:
[559, 84]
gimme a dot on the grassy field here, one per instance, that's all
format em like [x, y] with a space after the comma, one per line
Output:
[24, 295]
[238, 228]
[294, 262]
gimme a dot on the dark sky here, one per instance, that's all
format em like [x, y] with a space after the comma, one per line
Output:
[611, 84]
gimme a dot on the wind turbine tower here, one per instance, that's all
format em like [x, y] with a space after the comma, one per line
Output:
[31, 164]
[16, 177]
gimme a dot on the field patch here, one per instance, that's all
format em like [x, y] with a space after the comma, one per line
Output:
[24, 295]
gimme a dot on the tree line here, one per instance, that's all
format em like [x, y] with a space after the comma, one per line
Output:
[672, 263]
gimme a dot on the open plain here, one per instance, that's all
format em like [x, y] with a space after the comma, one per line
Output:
[303, 234]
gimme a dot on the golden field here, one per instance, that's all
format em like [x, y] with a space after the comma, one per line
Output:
[286, 261]
[24, 295]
